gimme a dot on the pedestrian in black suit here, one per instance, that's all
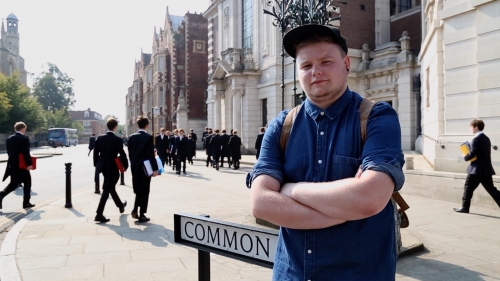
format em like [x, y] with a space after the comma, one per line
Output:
[208, 148]
[203, 137]
[91, 144]
[162, 146]
[193, 136]
[191, 149]
[216, 145]
[479, 170]
[141, 148]
[258, 141]
[226, 151]
[18, 144]
[181, 151]
[235, 146]
[107, 148]
[173, 141]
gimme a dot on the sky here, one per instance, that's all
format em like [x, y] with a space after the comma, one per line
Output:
[95, 42]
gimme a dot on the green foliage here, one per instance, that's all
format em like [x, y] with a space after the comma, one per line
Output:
[58, 118]
[111, 116]
[54, 88]
[19, 105]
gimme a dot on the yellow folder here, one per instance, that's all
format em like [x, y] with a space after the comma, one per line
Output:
[465, 148]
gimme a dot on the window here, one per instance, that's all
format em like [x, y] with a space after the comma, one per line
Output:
[162, 64]
[404, 5]
[247, 24]
[150, 76]
[86, 114]
[264, 112]
[399, 6]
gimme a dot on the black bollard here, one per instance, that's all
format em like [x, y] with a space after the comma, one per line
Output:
[203, 263]
[122, 178]
[68, 186]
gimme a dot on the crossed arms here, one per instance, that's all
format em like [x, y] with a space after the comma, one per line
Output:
[307, 205]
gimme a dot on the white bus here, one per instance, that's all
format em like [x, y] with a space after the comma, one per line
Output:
[62, 137]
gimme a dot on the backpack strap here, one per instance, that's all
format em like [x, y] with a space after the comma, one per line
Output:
[364, 112]
[287, 127]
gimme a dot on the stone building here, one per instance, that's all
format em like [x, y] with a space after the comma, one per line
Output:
[91, 121]
[244, 62]
[10, 57]
[173, 77]
[460, 66]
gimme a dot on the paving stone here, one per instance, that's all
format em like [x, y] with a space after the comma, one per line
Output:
[41, 262]
[99, 258]
[149, 266]
[63, 273]
[48, 251]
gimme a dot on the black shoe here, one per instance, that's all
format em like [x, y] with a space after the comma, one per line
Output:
[217, 167]
[178, 173]
[122, 208]
[143, 218]
[101, 218]
[184, 172]
[222, 166]
[1, 199]
[97, 192]
[134, 215]
[28, 205]
[461, 210]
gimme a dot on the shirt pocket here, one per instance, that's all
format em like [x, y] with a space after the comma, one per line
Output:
[343, 167]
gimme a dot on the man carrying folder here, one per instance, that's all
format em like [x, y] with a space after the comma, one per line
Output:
[18, 147]
[107, 148]
[141, 150]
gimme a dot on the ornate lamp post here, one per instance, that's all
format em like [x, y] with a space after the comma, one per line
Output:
[292, 13]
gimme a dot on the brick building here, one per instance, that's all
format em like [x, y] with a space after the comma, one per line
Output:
[91, 121]
[244, 62]
[173, 77]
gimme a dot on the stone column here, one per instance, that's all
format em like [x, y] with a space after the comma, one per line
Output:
[218, 115]
[382, 22]
[182, 117]
[237, 109]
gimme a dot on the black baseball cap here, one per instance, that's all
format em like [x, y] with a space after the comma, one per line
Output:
[295, 36]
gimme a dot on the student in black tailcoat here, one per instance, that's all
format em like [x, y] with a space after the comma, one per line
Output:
[141, 148]
[168, 160]
[107, 148]
[91, 143]
[216, 145]
[162, 146]
[480, 171]
[193, 136]
[208, 148]
[203, 137]
[191, 149]
[258, 141]
[235, 146]
[18, 144]
[226, 151]
[181, 151]
[173, 141]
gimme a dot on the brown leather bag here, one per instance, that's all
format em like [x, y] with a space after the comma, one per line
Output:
[364, 111]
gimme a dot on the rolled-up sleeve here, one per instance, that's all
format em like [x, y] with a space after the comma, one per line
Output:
[270, 160]
[382, 150]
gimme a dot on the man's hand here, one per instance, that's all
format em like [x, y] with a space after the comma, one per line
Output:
[29, 168]
[155, 173]
[287, 189]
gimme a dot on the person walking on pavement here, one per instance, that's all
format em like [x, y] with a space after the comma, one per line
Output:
[235, 146]
[208, 148]
[18, 145]
[107, 148]
[258, 142]
[216, 145]
[91, 144]
[203, 137]
[141, 148]
[479, 171]
[226, 151]
[181, 151]
[162, 144]
[173, 142]
[191, 149]
[193, 135]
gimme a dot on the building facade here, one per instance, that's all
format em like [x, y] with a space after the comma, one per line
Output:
[91, 121]
[173, 77]
[245, 63]
[460, 66]
[10, 57]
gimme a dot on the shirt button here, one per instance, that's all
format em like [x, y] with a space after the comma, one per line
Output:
[322, 113]
[309, 251]
[322, 133]
[319, 161]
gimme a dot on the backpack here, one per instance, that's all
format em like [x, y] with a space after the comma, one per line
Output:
[400, 217]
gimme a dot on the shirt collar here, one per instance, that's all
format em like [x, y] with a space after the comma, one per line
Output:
[333, 110]
[141, 130]
[17, 132]
[478, 133]
[110, 132]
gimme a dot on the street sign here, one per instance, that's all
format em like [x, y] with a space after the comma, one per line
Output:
[245, 243]
[156, 111]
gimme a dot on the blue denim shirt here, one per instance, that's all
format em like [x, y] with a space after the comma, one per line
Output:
[325, 145]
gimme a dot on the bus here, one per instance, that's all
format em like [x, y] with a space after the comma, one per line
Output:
[62, 137]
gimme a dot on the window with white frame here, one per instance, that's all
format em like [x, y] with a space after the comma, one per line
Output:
[247, 24]
[162, 64]
[150, 76]
[399, 6]
[86, 114]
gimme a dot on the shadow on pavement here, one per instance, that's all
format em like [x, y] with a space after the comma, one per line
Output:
[482, 215]
[20, 192]
[157, 235]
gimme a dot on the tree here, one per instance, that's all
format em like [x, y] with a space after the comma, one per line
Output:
[54, 88]
[22, 106]
[58, 118]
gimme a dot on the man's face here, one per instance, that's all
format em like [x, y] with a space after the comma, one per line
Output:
[474, 129]
[322, 72]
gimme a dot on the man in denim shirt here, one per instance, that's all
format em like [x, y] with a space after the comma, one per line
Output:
[330, 193]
